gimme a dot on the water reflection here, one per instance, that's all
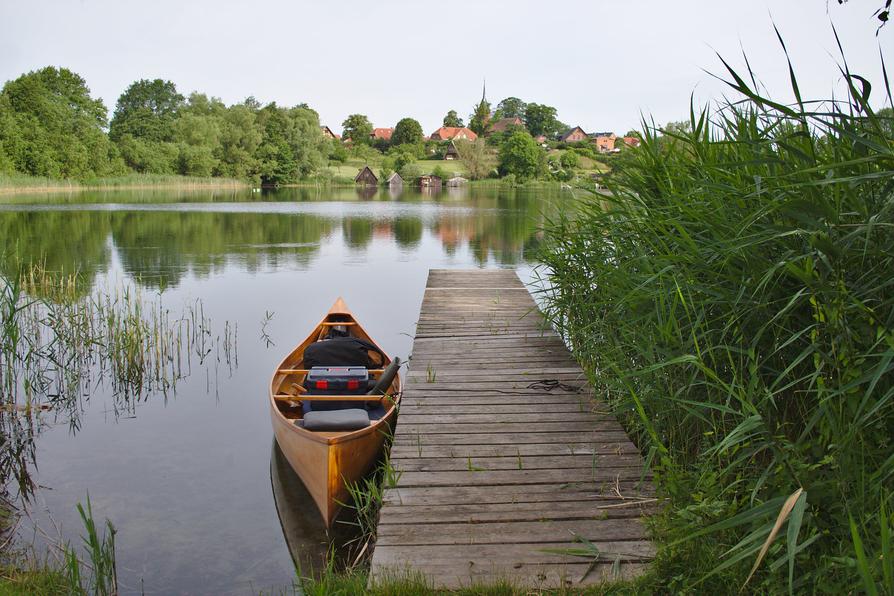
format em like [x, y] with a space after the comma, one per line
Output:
[302, 525]
[159, 246]
[191, 472]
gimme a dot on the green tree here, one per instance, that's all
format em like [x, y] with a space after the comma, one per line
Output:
[521, 156]
[569, 160]
[55, 128]
[197, 131]
[511, 107]
[292, 145]
[480, 118]
[358, 128]
[143, 126]
[452, 120]
[9, 136]
[147, 110]
[475, 157]
[541, 119]
[338, 152]
[407, 132]
[240, 137]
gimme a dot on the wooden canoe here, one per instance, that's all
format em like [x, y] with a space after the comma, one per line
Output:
[327, 461]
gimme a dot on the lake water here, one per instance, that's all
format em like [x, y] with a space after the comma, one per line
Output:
[187, 478]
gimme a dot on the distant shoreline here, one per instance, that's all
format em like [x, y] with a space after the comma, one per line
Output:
[62, 187]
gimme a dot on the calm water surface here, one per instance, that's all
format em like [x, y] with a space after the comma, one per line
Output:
[189, 478]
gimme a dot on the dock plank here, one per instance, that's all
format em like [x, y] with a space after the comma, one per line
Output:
[498, 469]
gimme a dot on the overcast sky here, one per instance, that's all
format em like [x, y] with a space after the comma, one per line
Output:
[601, 63]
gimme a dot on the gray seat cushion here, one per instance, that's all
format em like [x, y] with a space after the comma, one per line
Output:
[349, 419]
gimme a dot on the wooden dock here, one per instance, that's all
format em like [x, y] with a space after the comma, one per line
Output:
[498, 473]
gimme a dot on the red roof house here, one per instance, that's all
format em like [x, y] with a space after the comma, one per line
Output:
[574, 135]
[504, 124]
[382, 133]
[449, 133]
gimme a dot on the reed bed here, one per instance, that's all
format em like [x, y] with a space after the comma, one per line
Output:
[59, 347]
[733, 300]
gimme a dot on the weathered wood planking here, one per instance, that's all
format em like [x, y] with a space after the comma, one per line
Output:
[497, 473]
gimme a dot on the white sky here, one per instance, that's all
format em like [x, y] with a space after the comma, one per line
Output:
[601, 63]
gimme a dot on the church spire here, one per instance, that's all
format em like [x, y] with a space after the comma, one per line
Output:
[484, 90]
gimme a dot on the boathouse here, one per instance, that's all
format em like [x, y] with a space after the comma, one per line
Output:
[366, 177]
[395, 181]
[429, 181]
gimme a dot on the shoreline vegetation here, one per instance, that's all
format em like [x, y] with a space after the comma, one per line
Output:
[23, 184]
[731, 299]
[54, 136]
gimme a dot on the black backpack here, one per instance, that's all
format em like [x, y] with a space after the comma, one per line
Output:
[343, 351]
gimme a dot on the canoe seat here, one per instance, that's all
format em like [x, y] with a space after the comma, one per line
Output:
[348, 419]
[376, 413]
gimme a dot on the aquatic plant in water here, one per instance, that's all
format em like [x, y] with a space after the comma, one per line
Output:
[59, 348]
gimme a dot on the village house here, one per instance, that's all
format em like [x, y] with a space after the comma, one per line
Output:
[631, 141]
[504, 124]
[449, 133]
[327, 132]
[574, 135]
[604, 141]
[451, 152]
[382, 133]
[366, 177]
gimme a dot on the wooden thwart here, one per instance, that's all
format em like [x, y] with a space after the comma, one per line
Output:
[498, 473]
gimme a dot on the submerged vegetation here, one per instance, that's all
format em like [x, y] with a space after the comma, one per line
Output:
[60, 346]
[733, 299]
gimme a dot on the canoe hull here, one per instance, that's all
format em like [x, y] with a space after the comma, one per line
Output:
[327, 468]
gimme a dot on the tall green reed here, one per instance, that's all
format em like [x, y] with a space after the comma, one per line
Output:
[100, 565]
[735, 298]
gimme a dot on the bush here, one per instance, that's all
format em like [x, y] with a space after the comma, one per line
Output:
[734, 299]
[522, 157]
[338, 153]
[410, 172]
[569, 160]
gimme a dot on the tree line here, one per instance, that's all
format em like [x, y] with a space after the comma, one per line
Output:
[50, 126]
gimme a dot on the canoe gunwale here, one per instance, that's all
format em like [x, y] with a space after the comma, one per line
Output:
[339, 308]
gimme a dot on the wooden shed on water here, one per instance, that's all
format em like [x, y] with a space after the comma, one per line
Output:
[395, 181]
[366, 177]
[429, 181]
